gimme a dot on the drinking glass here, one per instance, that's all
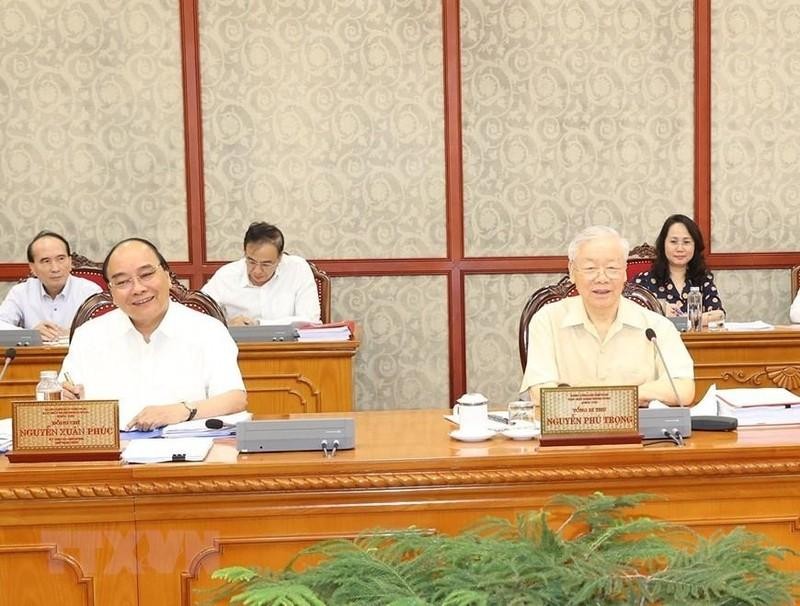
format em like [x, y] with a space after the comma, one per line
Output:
[522, 413]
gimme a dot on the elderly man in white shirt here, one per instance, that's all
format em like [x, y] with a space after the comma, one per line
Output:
[47, 301]
[164, 362]
[267, 285]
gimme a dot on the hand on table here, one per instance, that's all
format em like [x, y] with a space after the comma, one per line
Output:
[152, 417]
[672, 310]
[242, 321]
[50, 331]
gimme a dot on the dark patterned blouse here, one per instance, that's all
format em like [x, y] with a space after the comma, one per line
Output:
[668, 292]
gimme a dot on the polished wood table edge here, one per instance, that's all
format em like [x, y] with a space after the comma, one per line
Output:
[372, 465]
[779, 333]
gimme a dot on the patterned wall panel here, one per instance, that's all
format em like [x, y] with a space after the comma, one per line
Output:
[325, 118]
[755, 294]
[403, 360]
[493, 307]
[574, 113]
[91, 136]
[755, 147]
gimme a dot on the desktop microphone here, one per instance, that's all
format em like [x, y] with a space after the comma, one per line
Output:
[216, 424]
[673, 423]
[11, 353]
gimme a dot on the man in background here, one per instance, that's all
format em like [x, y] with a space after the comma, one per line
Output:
[48, 300]
[266, 285]
[598, 337]
[164, 362]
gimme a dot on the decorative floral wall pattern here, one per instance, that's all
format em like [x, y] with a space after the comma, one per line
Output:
[403, 358]
[91, 137]
[755, 68]
[327, 119]
[574, 113]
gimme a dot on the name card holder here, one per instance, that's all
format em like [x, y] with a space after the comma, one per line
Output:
[64, 430]
[576, 416]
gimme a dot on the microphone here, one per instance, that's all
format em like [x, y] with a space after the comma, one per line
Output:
[11, 353]
[214, 423]
[674, 423]
[651, 336]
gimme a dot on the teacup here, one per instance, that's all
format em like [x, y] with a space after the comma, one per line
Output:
[472, 412]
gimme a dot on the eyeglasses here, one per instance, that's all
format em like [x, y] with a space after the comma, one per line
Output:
[144, 277]
[592, 273]
[252, 263]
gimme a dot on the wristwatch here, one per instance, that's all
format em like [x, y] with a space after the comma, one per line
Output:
[192, 411]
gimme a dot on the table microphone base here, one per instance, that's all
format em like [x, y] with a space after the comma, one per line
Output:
[654, 421]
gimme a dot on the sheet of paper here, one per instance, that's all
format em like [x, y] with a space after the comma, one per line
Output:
[757, 396]
[5, 434]
[756, 325]
[708, 403]
[160, 450]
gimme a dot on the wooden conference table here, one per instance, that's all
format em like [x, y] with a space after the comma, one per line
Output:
[112, 534]
[281, 378]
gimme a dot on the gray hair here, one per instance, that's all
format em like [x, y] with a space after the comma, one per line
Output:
[593, 233]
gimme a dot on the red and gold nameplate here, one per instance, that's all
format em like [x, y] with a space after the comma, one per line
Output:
[590, 415]
[65, 430]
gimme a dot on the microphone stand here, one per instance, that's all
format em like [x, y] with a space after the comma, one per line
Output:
[673, 423]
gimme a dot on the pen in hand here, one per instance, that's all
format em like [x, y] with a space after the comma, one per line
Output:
[71, 389]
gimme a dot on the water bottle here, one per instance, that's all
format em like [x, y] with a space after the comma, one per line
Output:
[694, 308]
[48, 387]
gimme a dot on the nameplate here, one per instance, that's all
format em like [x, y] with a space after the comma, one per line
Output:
[64, 430]
[573, 416]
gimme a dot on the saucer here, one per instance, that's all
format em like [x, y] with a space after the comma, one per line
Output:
[479, 436]
[522, 433]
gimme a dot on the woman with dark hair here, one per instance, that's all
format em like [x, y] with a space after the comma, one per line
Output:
[679, 265]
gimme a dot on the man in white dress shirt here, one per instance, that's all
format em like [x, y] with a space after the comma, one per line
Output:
[164, 362]
[267, 285]
[47, 301]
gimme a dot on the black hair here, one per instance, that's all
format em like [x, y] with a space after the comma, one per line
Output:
[696, 270]
[162, 262]
[260, 232]
[46, 234]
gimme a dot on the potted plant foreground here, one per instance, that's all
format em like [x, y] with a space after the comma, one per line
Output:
[600, 554]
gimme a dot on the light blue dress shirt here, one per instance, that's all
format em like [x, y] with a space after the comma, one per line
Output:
[28, 304]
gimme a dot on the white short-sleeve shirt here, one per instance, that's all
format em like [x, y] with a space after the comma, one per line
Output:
[291, 294]
[190, 356]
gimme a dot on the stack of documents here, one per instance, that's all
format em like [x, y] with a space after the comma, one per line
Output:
[337, 331]
[759, 406]
[165, 451]
[199, 427]
[5, 435]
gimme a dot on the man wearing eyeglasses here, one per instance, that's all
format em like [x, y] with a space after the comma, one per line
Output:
[48, 300]
[266, 285]
[164, 362]
[598, 337]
